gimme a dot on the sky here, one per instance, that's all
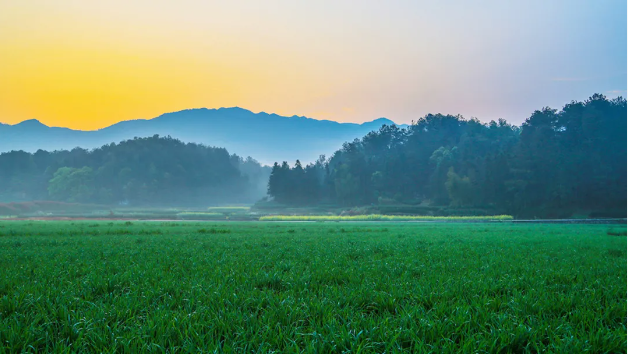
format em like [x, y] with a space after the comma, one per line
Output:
[89, 64]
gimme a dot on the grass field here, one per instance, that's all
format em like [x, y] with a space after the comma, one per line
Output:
[311, 287]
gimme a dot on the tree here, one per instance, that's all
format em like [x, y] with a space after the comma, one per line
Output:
[460, 189]
[72, 184]
[275, 182]
[442, 159]
[155, 171]
[557, 163]
[346, 186]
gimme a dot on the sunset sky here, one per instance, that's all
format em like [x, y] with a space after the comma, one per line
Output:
[89, 64]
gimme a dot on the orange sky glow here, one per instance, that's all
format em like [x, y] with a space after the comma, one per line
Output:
[87, 65]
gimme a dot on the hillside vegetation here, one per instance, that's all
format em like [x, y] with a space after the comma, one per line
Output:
[557, 164]
[155, 171]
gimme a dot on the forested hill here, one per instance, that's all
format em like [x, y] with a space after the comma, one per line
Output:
[152, 171]
[557, 164]
[272, 137]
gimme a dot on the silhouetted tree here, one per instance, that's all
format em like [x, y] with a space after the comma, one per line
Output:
[154, 170]
[556, 164]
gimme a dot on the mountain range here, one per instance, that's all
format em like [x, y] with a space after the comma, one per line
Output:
[265, 137]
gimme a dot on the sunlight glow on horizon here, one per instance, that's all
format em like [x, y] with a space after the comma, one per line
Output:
[90, 65]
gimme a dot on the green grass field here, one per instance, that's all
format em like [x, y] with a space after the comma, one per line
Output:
[311, 287]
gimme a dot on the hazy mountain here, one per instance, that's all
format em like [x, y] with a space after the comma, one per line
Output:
[266, 137]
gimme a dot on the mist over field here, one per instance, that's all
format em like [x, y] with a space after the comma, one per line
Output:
[269, 137]
[558, 164]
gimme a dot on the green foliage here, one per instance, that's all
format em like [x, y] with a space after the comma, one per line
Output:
[346, 185]
[152, 171]
[311, 288]
[72, 184]
[556, 164]
[460, 189]
[297, 185]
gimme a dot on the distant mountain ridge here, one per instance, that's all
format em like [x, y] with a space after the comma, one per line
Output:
[265, 137]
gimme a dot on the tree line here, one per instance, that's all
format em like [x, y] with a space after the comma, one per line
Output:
[556, 164]
[142, 171]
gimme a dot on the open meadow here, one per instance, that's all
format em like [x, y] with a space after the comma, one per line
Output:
[311, 287]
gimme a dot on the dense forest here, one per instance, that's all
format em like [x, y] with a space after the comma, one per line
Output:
[156, 171]
[557, 164]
